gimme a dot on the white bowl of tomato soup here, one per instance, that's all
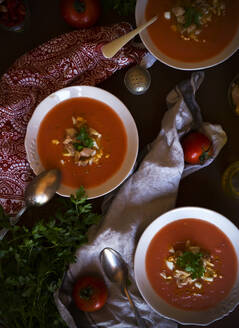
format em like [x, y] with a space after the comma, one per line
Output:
[186, 265]
[88, 134]
[169, 38]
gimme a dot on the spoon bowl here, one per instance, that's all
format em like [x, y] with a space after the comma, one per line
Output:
[116, 270]
[114, 266]
[43, 187]
[38, 192]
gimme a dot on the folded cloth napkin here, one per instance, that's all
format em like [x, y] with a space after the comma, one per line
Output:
[149, 192]
[72, 58]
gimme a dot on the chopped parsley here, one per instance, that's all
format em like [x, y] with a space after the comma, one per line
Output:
[78, 146]
[192, 16]
[84, 139]
[191, 263]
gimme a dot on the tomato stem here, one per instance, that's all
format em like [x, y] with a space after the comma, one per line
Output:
[86, 293]
[79, 6]
[205, 156]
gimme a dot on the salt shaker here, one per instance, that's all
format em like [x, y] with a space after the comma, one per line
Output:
[137, 80]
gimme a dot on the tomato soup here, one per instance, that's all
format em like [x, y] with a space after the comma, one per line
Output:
[214, 38]
[99, 117]
[209, 238]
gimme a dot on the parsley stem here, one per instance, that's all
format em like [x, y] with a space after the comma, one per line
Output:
[1, 271]
[12, 241]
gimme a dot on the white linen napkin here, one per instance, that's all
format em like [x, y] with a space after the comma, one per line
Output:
[149, 192]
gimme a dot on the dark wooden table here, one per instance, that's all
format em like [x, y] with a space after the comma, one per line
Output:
[202, 188]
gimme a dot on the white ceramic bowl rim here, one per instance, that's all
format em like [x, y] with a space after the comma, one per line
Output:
[227, 52]
[101, 95]
[166, 310]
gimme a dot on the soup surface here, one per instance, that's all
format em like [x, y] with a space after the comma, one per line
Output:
[197, 289]
[100, 118]
[213, 37]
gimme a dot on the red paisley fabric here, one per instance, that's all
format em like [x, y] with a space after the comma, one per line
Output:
[72, 58]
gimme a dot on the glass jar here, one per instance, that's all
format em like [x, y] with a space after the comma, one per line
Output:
[14, 15]
[230, 180]
[233, 94]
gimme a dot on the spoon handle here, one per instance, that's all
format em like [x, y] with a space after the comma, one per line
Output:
[140, 321]
[13, 221]
[111, 48]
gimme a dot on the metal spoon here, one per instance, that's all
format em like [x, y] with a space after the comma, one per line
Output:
[111, 48]
[38, 192]
[116, 270]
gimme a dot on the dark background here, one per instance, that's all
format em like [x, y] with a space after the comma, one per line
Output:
[202, 188]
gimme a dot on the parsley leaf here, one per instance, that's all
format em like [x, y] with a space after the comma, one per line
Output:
[33, 261]
[192, 16]
[84, 138]
[191, 263]
[77, 146]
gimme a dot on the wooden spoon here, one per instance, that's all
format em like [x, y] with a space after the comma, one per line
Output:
[111, 48]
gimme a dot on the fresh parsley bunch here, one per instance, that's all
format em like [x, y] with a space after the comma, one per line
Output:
[122, 7]
[32, 263]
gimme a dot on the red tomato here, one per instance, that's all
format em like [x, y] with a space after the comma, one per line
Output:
[90, 293]
[197, 148]
[80, 13]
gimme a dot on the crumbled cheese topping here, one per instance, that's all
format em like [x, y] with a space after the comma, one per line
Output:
[55, 142]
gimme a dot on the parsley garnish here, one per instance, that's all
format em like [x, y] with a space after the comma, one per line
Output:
[33, 261]
[191, 263]
[192, 16]
[77, 146]
[84, 138]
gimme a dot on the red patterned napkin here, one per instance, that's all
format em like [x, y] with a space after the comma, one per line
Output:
[72, 58]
